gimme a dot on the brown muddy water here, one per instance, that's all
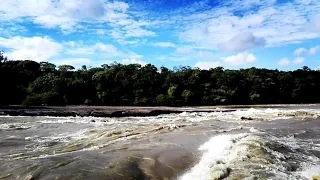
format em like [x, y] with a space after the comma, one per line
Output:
[250, 143]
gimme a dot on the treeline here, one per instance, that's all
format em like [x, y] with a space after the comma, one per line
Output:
[31, 83]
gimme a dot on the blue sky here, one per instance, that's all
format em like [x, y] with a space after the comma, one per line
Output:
[282, 34]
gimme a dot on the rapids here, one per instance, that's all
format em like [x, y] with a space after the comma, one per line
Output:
[250, 143]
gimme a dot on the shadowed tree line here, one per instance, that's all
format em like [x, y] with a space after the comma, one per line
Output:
[32, 83]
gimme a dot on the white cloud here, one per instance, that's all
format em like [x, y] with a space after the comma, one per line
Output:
[300, 51]
[184, 50]
[64, 14]
[9, 28]
[164, 44]
[298, 60]
[69, 15]
[45, 49]
[108, 49]
[240, 59]
[311, 51]
[101, 32]
[314, 24]
[70, 43]
[133, 61]
[35, 48]
[242, 42]
[314, 50]
[50, 21]
[186, 53]
[278, 23]
[207, 65]
[284, 62]
[72, 61]
[139, 32]
[81, 51]
[199, 24]
[101, 50]
[118, 6]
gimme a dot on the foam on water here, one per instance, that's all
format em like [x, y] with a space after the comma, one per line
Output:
[311, 172]
[13, 126]
[215, 150]
[252, 156]
[64, 137]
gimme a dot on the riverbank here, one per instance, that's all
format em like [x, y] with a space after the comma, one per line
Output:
[100, 111]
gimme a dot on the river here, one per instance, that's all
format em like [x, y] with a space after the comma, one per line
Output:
[249, 143]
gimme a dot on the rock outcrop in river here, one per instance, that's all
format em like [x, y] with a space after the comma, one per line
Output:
[87, 111]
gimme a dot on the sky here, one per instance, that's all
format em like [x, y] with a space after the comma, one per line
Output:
[274, 34]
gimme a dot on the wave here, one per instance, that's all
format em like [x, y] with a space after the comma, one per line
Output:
[252, 156]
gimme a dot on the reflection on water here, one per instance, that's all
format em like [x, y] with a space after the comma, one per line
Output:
[264, 143]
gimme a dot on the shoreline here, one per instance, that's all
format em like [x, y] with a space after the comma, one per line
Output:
[100, 111]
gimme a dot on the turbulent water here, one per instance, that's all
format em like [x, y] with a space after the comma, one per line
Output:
[262, 143]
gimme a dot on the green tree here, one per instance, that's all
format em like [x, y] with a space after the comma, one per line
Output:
[32, 83]
[65, 68]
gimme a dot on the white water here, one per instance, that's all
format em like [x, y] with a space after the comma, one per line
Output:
[223, 155]
[215, 151]
[268, 114]
[311, 172]
[227, 155]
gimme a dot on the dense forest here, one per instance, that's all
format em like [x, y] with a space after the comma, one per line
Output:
[31, 83]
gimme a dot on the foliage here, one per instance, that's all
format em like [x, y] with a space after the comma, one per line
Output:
[31, 83]
[3, 58]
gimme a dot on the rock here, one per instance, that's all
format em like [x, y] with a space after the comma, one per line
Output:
[95, 111]
[112, 133]
[246, 118]
[292, 167]
[221, 174]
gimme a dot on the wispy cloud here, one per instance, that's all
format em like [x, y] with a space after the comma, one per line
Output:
[110, 50]
[69, 15]
[278, 23]
[187, 53]
[163, 44]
